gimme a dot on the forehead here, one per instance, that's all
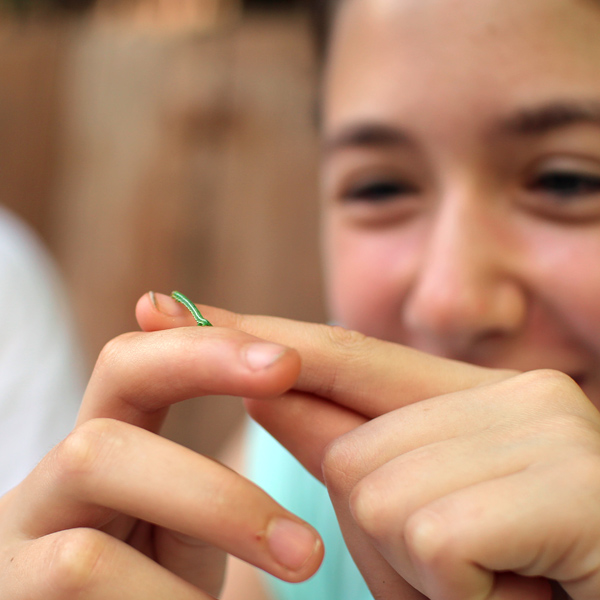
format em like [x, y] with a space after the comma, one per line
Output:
[411, 55]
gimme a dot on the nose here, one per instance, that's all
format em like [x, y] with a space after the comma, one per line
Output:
[465, 288]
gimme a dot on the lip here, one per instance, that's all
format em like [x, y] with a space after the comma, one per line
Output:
[579, 378]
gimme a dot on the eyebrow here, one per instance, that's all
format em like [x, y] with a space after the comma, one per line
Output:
[539, 120]
[529, 121]
[366, 135]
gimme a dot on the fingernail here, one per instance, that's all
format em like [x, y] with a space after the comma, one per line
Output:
[166, 305]
[291, 544]
[261, 355]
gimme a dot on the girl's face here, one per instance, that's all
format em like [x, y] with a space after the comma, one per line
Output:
[461, 178]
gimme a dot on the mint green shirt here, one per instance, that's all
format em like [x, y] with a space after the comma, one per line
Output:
[276, 471]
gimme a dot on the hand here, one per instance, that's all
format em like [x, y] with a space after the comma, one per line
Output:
[465, 482]
[116, 511]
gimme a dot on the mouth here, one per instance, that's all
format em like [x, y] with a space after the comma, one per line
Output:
[579, 378]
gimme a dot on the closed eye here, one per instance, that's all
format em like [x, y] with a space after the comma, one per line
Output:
[378, 191]
[566, 184]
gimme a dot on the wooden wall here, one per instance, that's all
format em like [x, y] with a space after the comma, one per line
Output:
[167, 160]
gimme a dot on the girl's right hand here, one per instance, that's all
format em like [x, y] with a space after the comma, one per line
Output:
[116, 511]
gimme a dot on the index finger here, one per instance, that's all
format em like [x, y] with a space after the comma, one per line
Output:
[139, 375]
[338, 364]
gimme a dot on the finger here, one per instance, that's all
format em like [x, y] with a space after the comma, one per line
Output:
[378, 475]
[382, 502]
[139, 375]
[309, 427]
[305, 425]
[459, 543]
[316, 424]
[338, 364]
[86, 563]
[107, 467]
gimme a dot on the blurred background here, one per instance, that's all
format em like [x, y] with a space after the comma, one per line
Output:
[165, 144]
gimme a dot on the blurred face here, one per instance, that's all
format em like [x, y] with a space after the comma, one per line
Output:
[461, 179]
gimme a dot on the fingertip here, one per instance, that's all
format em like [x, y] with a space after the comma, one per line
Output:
[296, 546]
[262, 355]
[155, 311]
[273, 369]
[144, 309]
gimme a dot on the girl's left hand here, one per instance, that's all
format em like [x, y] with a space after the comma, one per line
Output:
[466, 483]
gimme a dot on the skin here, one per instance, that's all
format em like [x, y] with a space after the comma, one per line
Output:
[67, 518]
[471, 251]
[450, 480]
[64, 531]
[422, 517]
[405, 268]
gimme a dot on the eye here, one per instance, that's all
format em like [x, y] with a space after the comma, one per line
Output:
[377, 191]
[566, 184]
[565, 190]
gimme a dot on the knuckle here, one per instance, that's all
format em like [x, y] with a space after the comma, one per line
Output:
[556, 389]
[368, 510]
[113, 349]
[77, 556]
[339, 465]
[348, 347]
[85, 448]
[550, 380]
[565, 413]
[346, 341]
[427, 538]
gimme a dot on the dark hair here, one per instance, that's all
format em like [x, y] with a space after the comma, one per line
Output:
[322, 13]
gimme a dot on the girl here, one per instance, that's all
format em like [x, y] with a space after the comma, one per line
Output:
[461, 216]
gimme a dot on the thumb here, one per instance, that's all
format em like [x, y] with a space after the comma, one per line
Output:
[364, 374]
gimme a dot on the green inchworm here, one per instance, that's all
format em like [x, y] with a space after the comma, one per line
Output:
[202, 322]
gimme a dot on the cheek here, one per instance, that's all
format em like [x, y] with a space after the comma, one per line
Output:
[367, 275]
[576, 281]
[568, 277]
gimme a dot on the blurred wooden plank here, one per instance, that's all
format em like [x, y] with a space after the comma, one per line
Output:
[267, 229]
[120, 213]
[168, 161]
[252, 243]
[164, 16]
[31, 61]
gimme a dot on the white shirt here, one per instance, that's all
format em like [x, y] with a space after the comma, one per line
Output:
[41, 368]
